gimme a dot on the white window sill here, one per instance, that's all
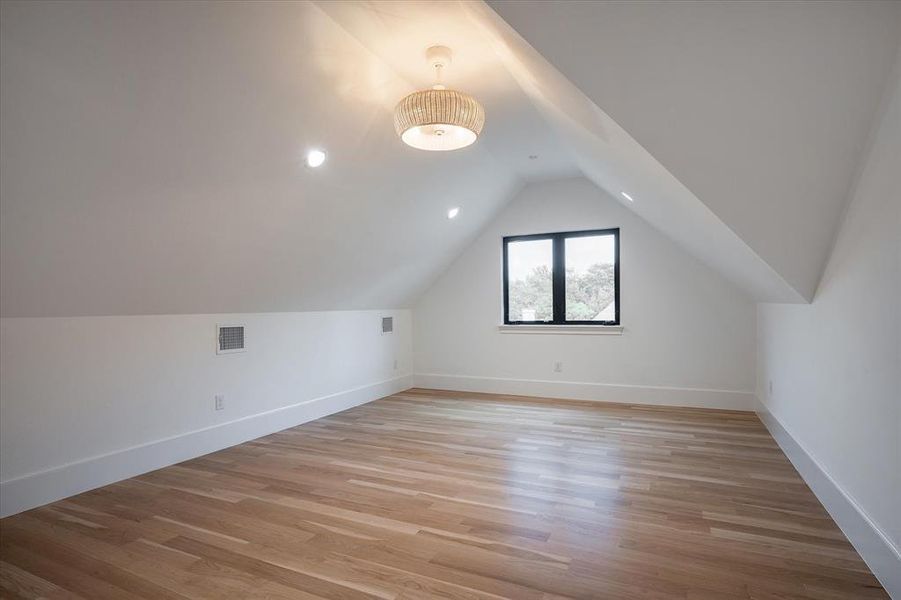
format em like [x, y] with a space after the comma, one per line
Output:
[563, 329]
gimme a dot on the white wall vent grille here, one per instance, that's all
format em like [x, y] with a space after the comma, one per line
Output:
[230, 338]
[387, 324]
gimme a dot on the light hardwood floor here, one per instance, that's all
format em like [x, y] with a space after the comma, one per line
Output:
[450, 495]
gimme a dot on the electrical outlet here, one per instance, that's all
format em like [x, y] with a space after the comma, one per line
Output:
[219, 402]
[395, 364]
[770, 387]
[558, 367]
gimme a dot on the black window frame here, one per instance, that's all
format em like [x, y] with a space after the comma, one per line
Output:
[558, 285]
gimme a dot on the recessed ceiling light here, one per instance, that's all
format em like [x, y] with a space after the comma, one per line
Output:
[627, 196]
[315, 158]
[453, 212]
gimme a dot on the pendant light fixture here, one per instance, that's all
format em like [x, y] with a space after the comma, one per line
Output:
[438, 119]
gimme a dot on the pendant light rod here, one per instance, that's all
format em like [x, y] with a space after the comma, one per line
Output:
[438, 85]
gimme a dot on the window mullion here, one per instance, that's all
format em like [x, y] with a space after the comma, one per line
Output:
[559, 280]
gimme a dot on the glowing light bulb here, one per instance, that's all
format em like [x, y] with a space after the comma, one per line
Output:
[315, 158]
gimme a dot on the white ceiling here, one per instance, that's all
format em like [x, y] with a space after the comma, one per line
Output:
[761, 109]
[151, 153]
[151, 156]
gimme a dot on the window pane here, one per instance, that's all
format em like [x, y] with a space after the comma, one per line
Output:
[589, 278]
[530, 280]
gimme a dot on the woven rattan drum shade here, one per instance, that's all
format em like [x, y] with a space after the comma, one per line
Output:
[439, 119]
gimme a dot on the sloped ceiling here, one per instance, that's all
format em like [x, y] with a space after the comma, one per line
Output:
[151, 153]
[761, 109]
[152, 156]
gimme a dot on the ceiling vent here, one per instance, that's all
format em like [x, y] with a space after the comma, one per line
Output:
[230, 338]
[387, 325]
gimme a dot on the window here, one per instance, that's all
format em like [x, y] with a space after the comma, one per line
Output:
[569, 278]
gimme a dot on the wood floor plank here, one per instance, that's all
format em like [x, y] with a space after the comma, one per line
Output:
[436, 494]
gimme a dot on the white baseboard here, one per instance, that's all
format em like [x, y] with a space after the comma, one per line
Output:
[874, 546]
[605, 392]
[37, 489]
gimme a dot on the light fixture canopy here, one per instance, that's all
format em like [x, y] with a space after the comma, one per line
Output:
[439, 119]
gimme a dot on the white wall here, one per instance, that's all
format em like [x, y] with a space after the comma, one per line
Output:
[85, 401]
[688, 339]
[835, 365]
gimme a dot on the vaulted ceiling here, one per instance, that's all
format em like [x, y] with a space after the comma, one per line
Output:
[152, 156]
[151, 153]
[761, 109]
